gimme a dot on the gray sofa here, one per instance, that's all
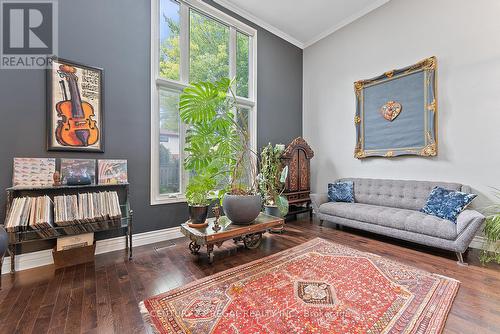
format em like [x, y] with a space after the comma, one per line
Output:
[391, 208]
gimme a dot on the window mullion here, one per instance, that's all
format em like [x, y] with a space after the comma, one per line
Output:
[184, 78]
[172, 85]
[232, 55]
[183, 177]
[251, 67]
[184, 43]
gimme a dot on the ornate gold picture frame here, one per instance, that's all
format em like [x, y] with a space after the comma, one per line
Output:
[396, 112]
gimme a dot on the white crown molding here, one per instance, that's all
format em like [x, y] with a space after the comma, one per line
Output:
[345, 22]
[44, 257]
[269, 27]
[261, 23]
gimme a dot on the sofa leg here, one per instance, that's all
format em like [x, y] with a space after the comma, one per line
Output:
[321, 222]
[460, 258]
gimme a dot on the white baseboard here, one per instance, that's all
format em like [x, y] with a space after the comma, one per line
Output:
[44, 257]
[479, 242]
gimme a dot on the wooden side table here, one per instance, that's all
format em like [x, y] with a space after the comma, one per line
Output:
[250, 235]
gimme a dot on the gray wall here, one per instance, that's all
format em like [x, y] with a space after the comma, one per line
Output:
[115, 35]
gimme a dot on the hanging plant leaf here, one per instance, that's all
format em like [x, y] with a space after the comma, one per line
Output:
[282, 204]
[284, 174]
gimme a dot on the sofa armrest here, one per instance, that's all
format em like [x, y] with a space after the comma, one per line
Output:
[469, 219]
[317, 200]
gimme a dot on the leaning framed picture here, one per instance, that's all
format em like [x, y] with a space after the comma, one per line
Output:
[396, 112]
[112, 171]
[75, 100]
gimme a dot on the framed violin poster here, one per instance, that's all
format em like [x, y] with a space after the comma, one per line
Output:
[75, 119]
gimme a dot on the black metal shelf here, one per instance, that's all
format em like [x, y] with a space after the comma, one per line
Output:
[55, 232]
[125, 222]
[65, 187]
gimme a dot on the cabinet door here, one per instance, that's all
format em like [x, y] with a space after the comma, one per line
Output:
[303, 173]
[293, 173]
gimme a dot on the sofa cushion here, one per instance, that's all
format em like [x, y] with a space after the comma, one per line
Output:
[341, 191]
[401, 219]
[447, 204]
[402, 194]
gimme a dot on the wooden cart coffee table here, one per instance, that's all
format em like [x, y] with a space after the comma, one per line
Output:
[250, 235]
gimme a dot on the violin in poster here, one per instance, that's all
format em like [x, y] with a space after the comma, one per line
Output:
[76, 126]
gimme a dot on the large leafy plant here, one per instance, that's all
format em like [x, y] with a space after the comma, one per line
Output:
[272, 177]
[218, 149]
[492, 233]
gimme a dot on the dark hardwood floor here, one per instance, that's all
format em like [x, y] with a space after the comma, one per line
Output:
[103, 297]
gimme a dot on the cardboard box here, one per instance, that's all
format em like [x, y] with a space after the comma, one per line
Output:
[75, 241]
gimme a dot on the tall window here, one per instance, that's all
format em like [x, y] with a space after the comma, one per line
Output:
[192, 41]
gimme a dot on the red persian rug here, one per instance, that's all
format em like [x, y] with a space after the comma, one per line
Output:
[317, 287]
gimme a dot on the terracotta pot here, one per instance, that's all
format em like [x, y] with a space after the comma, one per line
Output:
[241, 209]
[198, 214]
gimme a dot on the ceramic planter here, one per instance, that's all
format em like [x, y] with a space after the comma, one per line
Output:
[272, 210]
[198, 214]
[241, 209]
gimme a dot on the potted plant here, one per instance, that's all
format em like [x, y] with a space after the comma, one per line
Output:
[272, 179]
[221, 146]
[198, 193]
[492, 234]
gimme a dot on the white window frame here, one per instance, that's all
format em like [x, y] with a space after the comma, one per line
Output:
[177, 86]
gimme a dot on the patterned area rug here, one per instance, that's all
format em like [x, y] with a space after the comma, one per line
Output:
[316, 287]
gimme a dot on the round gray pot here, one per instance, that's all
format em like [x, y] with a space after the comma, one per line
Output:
[272, 210]
[241, 209]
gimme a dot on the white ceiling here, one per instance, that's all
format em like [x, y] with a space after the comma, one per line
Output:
[302, 22]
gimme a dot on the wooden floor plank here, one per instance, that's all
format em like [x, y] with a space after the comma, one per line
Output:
[12, 320]
[8, 302]
[133, 321]
[75, 307]
[103, 297]
[44, 314]
[60, 312]
[89, 316]
[105, 316]
[27, 320]
[119, 316]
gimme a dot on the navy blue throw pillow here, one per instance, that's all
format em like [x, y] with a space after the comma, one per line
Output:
[447, 204]
[341, 191]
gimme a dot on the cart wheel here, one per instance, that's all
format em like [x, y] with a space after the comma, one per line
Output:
[252, 241]
[194, 248]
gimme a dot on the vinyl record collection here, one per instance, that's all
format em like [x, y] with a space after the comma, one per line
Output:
[31, 212]
[84, 212]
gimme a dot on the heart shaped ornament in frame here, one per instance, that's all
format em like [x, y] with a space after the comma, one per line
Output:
[391, 110]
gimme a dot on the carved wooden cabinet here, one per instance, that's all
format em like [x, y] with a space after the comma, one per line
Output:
[297, 157]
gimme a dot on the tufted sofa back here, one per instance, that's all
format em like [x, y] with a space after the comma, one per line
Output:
[410, 195]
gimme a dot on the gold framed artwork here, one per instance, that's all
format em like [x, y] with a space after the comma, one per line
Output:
[396, 112]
